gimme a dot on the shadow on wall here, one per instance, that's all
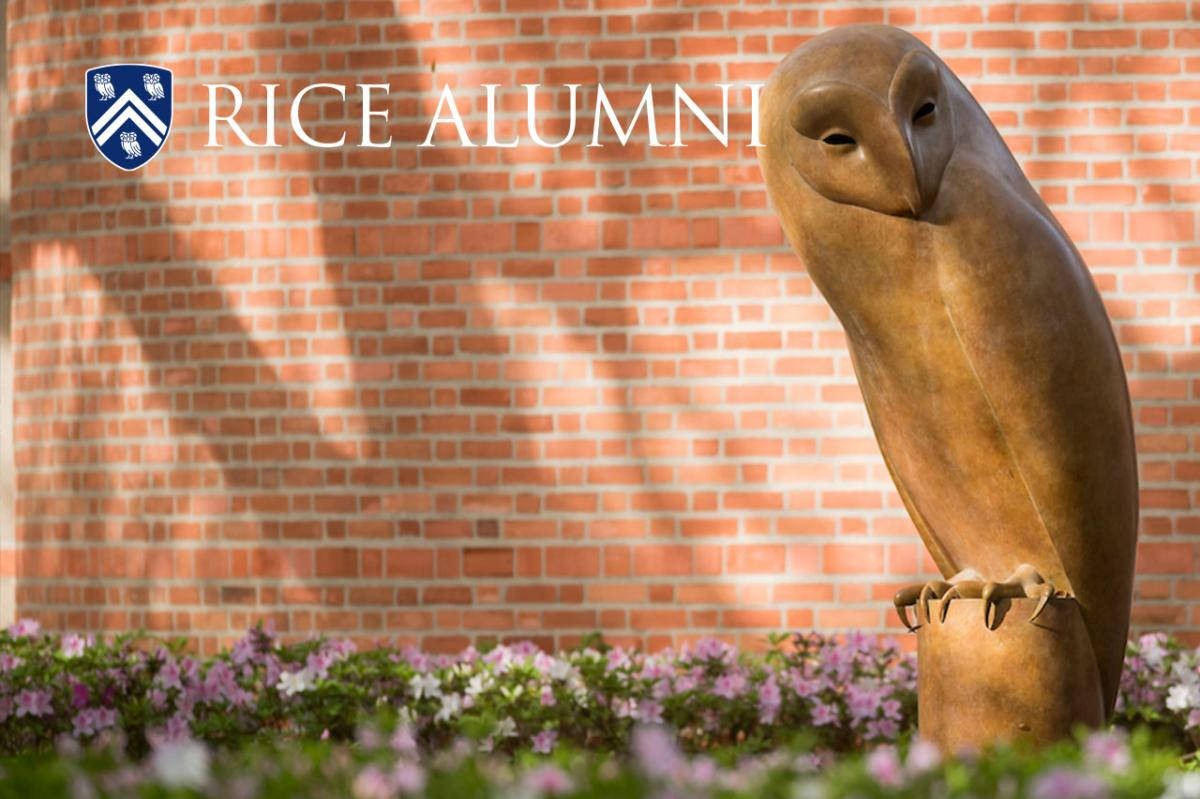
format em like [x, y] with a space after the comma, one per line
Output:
[261, 425]
[330, 387]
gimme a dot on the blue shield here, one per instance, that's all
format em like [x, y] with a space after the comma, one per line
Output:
[128, 112]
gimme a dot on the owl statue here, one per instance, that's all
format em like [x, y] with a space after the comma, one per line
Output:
[129, 143]
[102, 82]
[987, 363]
[153, 85]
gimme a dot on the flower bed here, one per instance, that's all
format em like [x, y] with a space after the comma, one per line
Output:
[98, 718]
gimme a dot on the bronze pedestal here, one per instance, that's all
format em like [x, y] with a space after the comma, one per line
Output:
[1016, 681]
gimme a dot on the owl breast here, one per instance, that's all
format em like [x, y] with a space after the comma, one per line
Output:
[998, 397]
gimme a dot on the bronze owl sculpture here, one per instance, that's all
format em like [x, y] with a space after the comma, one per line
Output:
[987, 363]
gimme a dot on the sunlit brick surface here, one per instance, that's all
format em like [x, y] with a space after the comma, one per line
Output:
[451, 394]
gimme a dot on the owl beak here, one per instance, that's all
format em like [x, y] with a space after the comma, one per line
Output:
[912, 198]
[916, 197]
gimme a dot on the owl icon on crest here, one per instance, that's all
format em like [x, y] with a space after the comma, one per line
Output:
[128, 109]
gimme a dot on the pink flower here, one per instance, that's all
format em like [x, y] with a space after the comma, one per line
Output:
[923, 756]
[547, 780]
[1065, 783]
[408, 777]
[883, 764]
[33, 703]
[372, 783]
[8, 662]
[656, 753]
[730, 686]
[25, 628]
[73, 646]
[617, 659]
[547, 696]
[403, 741]
[543, 742]
[1108, 750]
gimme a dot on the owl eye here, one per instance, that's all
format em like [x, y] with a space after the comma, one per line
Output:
[839, 139]
[924, 112]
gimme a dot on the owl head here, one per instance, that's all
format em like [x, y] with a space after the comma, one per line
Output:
[862, 114]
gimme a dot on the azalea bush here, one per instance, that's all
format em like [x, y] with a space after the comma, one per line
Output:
[1160, 689]
[849, 693]
[812, 716]
[379, 765]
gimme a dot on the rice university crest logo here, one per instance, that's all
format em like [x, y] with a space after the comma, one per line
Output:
[128, 112]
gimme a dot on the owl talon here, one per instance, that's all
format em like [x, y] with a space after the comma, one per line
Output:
[934, 589]
[918, 594]
[903, 599]
[966, 589]
[1047, 593]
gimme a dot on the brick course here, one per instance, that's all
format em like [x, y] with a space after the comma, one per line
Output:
[450, 394]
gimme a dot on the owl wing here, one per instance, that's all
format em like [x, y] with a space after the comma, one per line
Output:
[941, 557]
[1032, 327]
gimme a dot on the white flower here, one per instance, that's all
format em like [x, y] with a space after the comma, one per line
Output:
[560, 669]
[293, 682]
[1183, 697]
[507, 728]
[451, 706]
[425, 685]
[182, 764]
[1185, 785]
[478, 684]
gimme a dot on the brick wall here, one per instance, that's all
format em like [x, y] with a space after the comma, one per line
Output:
[446, 394]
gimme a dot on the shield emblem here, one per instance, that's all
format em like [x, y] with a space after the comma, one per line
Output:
[128, 112]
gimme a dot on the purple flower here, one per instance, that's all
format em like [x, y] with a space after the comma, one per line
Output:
[730, 686]
[544, 741]
[1066, 783]
[823, 714]
[318, 664]
[169, 675]
[176, 730]
[547, 697]
[883, 764]
[24, 628]
[713, 649]
[769, 700]
[882, 730]
[863, 699]
[80, 695]
[33, 703]
[686, 682]
[8, 662]
[656, 753]
[94, 719]
[648, 711]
